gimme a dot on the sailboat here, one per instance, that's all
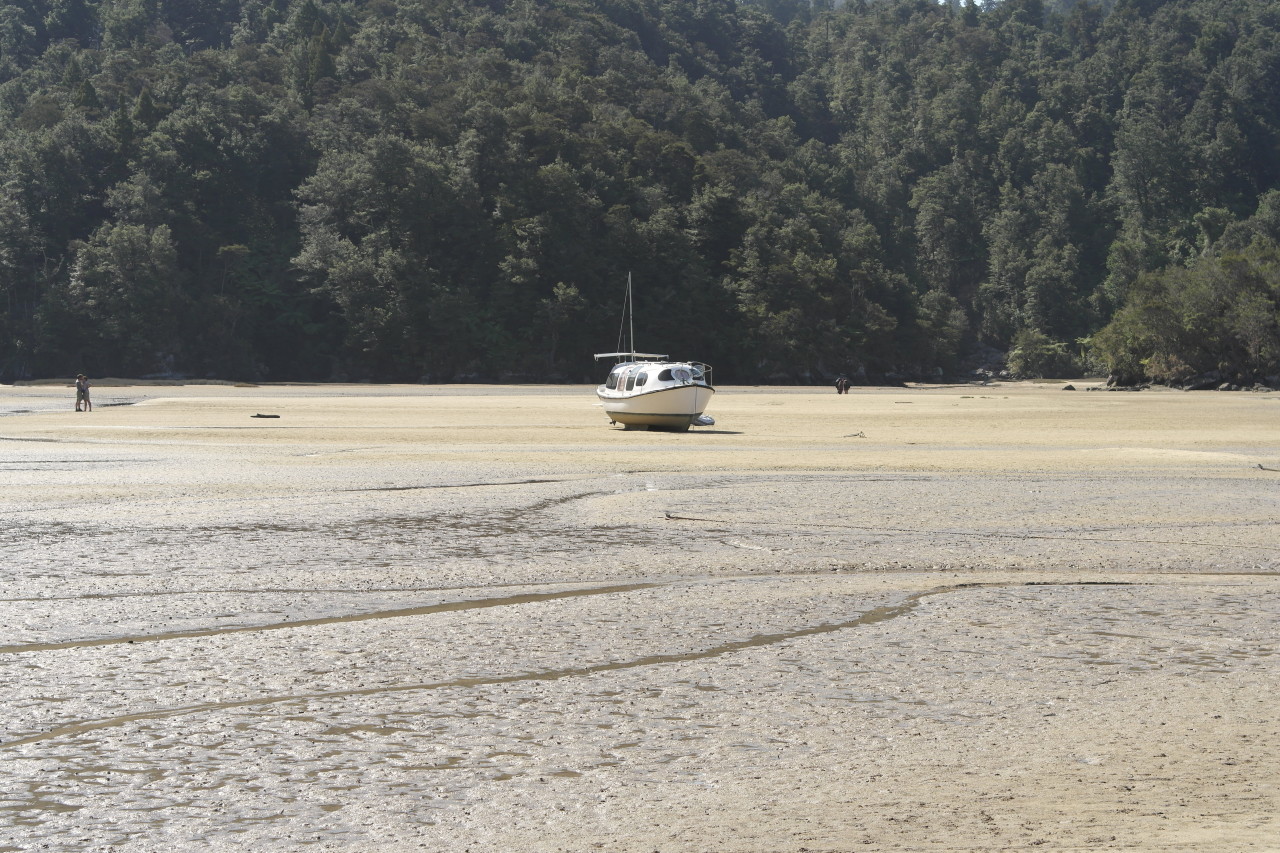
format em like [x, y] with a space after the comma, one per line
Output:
[649, 390]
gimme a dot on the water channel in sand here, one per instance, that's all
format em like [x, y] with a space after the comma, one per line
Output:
[479, 618]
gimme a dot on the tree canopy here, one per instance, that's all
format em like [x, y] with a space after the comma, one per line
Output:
[410, 190]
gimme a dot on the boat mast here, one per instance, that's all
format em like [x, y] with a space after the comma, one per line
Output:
[631, 312]
[628, 317]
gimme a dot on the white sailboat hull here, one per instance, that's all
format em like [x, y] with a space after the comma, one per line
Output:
[673, 408]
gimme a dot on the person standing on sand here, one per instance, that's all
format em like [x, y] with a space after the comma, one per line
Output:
[82, 394]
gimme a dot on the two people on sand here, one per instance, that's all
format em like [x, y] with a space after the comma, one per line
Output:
[82, 394]
[842, 385]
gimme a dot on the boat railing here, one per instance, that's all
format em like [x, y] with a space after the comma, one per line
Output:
[633, 356]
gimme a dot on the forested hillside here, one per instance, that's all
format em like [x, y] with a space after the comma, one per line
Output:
[406, 190]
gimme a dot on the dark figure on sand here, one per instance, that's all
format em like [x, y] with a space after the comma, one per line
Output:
[82, 394]
[842, 385]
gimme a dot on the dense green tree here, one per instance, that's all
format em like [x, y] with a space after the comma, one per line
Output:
[399, 189]
[1220, 318]
[950, 208]
[389, 234]
[120, 308]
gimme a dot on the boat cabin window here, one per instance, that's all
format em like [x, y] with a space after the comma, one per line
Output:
[681, 374]
[641, 379]
[665, 376]
[612, 382]
[697, 374]
[631, 382]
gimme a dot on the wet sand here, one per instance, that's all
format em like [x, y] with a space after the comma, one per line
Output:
[395, 618]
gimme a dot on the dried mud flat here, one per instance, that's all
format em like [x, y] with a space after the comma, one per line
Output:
[403, 618]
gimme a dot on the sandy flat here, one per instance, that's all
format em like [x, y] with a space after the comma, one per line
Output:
[479, 618]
